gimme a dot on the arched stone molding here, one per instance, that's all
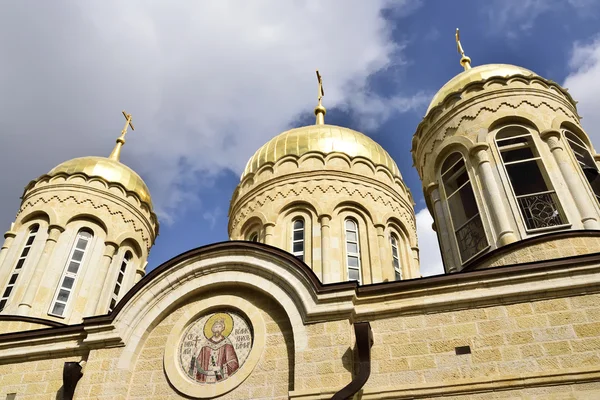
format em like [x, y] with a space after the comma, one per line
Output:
[94, 221]
[312, 238]
[392, 218]
[576, 130]
[125, 239]
[264, 269]
[532, 122]
[409, 264]
[107, 213]
[460, 144]
[48, 215]
[254, 224]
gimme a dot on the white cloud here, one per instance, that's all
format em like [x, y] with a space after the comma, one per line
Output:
[429, 250]
[584, 85]
[207, 83]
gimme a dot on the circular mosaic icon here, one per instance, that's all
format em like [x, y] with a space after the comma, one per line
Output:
[215, 346]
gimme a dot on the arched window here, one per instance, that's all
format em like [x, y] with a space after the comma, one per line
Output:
[24, 253]
[253, 237]
[352, 250]
[67, 280]
[298, 238]
[464, 213]
[115, 295]
[396, 257]
[586, 162]
[533, 190]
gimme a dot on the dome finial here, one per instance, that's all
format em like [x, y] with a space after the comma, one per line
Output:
[116, 153]
[464, 60]
[320, 111]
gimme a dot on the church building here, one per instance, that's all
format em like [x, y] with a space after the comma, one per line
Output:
[318, 293]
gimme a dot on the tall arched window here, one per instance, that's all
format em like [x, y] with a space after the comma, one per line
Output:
[533, 190]
[352, 250]
[586, 162]
[396, 257]
[464, 213]
[67, 280]
[298, 238]
[253, 237]
[24, 253]
[115, 295]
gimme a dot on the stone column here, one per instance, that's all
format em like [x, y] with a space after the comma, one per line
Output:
[583, 202]
[54, 232]
[269, 237]
[9, 237]
[325, 246]
[101, 290]
[415, 272]
[492, 196]
[385, 260]
[140, 273]
[444, 232]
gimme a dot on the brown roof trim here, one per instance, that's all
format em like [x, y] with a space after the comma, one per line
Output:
[44, 332]
[32, 320]
[229, 246]
[471, 265]
[466, 276]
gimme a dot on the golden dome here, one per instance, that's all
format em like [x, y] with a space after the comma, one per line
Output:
[110, 170]
[479, 73]
[324, 139]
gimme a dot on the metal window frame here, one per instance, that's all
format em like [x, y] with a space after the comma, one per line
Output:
[114, 297]
[66, 272]
[17, 271]
[352, 254]
[543, 170]
[396, 256]
[447, 205]
[299, 254]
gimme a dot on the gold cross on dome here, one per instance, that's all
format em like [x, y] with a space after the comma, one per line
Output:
[116, 153]
[321, 91]
[127, 123]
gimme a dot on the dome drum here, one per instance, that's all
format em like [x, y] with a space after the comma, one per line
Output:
[300, 190]
[484, 194]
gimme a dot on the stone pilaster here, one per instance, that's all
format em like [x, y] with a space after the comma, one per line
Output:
[589, 216]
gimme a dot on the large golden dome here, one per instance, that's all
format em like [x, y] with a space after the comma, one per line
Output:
[324, 139]
[479, 73]
[111, 171]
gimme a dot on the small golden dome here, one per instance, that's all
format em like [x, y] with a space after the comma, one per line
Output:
[110, 170]
[479, 73]
[324, 139]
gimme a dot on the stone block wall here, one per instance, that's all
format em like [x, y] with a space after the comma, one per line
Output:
[511, 346]
[33, 380]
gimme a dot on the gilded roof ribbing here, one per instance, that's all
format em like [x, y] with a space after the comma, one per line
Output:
[325, 139]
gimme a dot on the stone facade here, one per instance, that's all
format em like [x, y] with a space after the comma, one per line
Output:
[533, 333]
[520, 318]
